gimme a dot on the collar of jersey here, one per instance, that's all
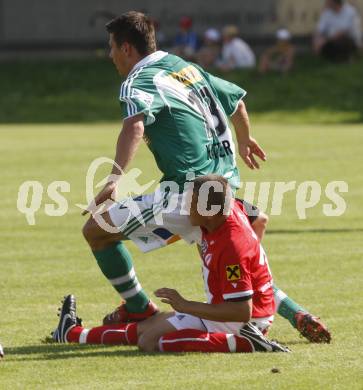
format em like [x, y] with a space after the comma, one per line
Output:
[150, 59]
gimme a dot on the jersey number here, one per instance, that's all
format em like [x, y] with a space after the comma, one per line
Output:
[215, 120]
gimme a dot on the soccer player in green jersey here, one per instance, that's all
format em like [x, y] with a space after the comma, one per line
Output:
[182, 113]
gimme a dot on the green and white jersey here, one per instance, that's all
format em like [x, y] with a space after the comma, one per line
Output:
[185, 116]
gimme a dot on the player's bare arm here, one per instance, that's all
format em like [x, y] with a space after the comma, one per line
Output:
[127, 144]
[227, 311]
[248, 147]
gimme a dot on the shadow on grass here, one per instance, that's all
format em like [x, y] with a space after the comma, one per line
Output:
[71, 351]
[289, 343]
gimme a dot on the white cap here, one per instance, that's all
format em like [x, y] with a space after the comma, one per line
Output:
[212, 34]
[283, 34]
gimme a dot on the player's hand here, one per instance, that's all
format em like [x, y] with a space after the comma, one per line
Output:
[248, 150]
[172, 298]
[106, 193]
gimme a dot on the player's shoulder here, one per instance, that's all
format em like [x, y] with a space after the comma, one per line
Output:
[174, 64]
[228, 241]
[140, 79]
[143, 76]
[229, 252]
[238, 231]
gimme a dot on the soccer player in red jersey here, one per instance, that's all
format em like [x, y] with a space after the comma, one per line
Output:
[238, 283]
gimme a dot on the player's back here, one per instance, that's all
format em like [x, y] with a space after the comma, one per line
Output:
[239, 266]
[186, 126]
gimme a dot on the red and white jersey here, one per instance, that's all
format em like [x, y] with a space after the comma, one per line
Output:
[235, 265]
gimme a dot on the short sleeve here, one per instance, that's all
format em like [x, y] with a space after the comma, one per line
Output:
[135, 101]
[235, 282]
[228, 94]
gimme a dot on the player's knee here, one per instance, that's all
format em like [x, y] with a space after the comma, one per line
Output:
[87, 230]
[91, 233]
[260, 225]
[263, 218]
[148, 344]
[261, 222]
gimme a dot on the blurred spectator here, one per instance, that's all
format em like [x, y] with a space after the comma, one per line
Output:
[209, 53]
[235, 52]
[279, 57]
[186, 41]
[339, 34]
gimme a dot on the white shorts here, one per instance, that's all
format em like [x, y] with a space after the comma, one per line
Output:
[154, 220]
[186, 321]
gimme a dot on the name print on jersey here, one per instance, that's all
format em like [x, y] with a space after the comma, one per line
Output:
[219, 149]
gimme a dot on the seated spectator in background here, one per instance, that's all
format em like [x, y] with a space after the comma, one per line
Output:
[339, 34]
[209, 53]
[235, 52]
[279, 57]
[186, 43]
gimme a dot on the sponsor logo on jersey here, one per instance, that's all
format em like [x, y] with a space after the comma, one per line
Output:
[187, 76]
[233, 272]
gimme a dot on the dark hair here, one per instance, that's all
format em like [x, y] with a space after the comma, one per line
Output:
[338, 2]
[135, 28]
[215, 196]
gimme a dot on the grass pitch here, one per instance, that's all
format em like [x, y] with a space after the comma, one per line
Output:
[317, 261]
[65, 91]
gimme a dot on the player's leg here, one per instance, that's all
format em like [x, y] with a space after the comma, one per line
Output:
[70, 329]
[308, 325]
[145, 220]
[120, 334]
[117, 334]
[151, 330]
[185, 333]
[169, 332]
[195, 335]
[151, 226]
[116, 264]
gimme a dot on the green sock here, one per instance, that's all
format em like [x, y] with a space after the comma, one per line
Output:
[116, 264]
[285, 306]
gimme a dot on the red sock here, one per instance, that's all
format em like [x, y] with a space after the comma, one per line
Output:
[123, 334]
[192, 340]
